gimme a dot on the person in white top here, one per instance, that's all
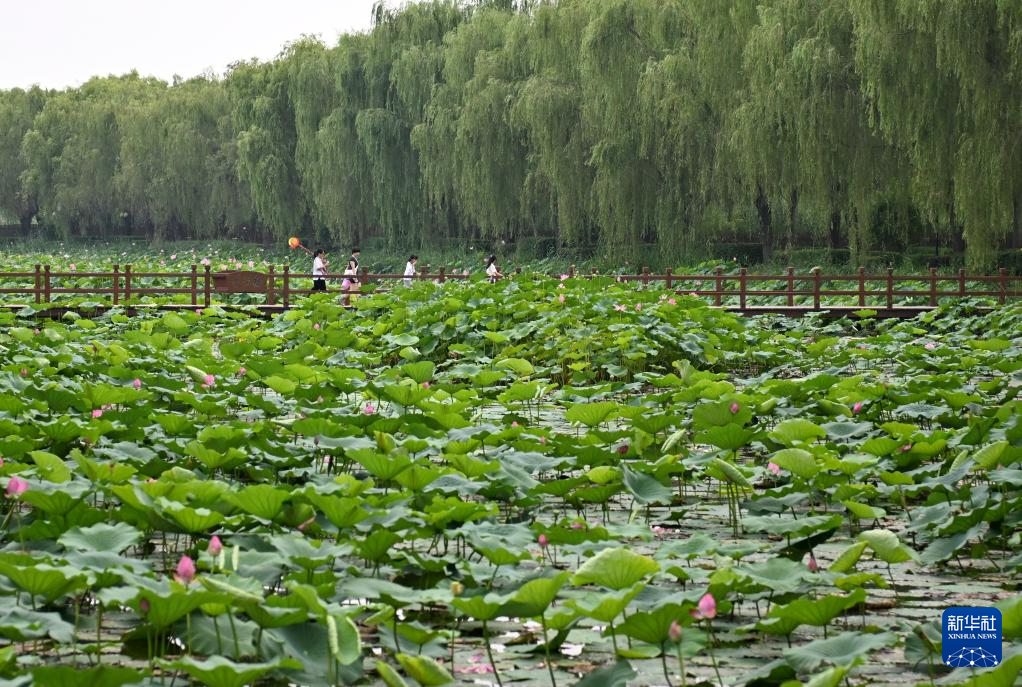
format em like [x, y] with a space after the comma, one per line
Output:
[410, 269]
[492, 271]
[319, 265]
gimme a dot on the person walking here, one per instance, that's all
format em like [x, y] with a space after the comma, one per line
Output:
[492, 271]
[351, 283]
[410, 269]
[319, 270]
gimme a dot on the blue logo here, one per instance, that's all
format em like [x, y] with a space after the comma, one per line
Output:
[971, 637]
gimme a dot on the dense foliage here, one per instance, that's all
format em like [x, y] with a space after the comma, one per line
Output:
[589, 125]
[515, 481]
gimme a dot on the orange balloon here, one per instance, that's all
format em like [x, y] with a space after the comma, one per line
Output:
[294, 242]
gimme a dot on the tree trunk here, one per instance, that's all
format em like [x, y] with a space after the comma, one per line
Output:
[766, 226]
[1016, 234]
[792, 218]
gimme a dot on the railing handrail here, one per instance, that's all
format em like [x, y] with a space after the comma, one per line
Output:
[866, 288]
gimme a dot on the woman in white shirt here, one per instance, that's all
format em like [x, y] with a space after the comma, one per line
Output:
[319, 265]
[492, 271]
[410, 269]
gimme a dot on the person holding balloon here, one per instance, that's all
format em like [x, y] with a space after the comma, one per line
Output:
[319, 263]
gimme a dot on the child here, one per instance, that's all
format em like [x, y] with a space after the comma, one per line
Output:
[319, 265]
[410, 269]
[492, 271]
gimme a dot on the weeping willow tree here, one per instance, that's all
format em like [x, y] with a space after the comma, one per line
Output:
[941, 78]
[18, 110]
[71, 154]
[264, 120]
[548, 111]
[619, 41]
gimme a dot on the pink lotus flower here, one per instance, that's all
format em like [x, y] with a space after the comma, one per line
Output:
[543, 541]
[735, 408]
[906, 448]
[425, 385]
[251, 263]
[674, 632]
[812, 564]
[143, 606]
[215, 546]
[35, 332]
[24, 372]
[542, 440]
[578, 525]
[185, 570]
[563, 277]
[369, 409]
[209, 380]
[622, 449]
[137, 383]
[73, 267]
[857, 408]
[316, 326]
[561, 298]
[620, 308]
[174, 256]
[658, 531]
[204, 261]
[302, 527]
[774, 468]
[16, 487]
[560, 286]
[707, 607]
[930, 346]
[1, 462]
[97, 413]
[241, 371]
[672, 301]
[638, 307]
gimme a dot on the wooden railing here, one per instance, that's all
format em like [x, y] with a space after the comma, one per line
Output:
[869, 290]
[738, 290]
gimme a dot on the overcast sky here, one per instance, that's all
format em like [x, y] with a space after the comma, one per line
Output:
[59, 43]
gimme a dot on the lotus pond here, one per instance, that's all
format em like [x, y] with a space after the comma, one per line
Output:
[534, 482]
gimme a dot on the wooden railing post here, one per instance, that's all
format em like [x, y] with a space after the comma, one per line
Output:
[195, 285]
[791, 286]
[933, 286]
[593, 272]
[862, 286]
[46, 284]
[961, 282]
[1003, 281]
[127, 284]
[670, 278]
[741, 287]
[425, 272]
[117, 284]
[207, 286]
[365, 276]
[890, 288]
[271, 285]
[816, 288]
[645, 276]
[443, 275]
[38, 288]
[719, 286]
[571, 271]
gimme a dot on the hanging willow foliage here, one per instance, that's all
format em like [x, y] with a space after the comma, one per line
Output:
[585, 125]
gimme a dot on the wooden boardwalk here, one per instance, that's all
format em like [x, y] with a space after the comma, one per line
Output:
[887, 295]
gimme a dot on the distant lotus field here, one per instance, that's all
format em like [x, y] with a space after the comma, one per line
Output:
[539, 481]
